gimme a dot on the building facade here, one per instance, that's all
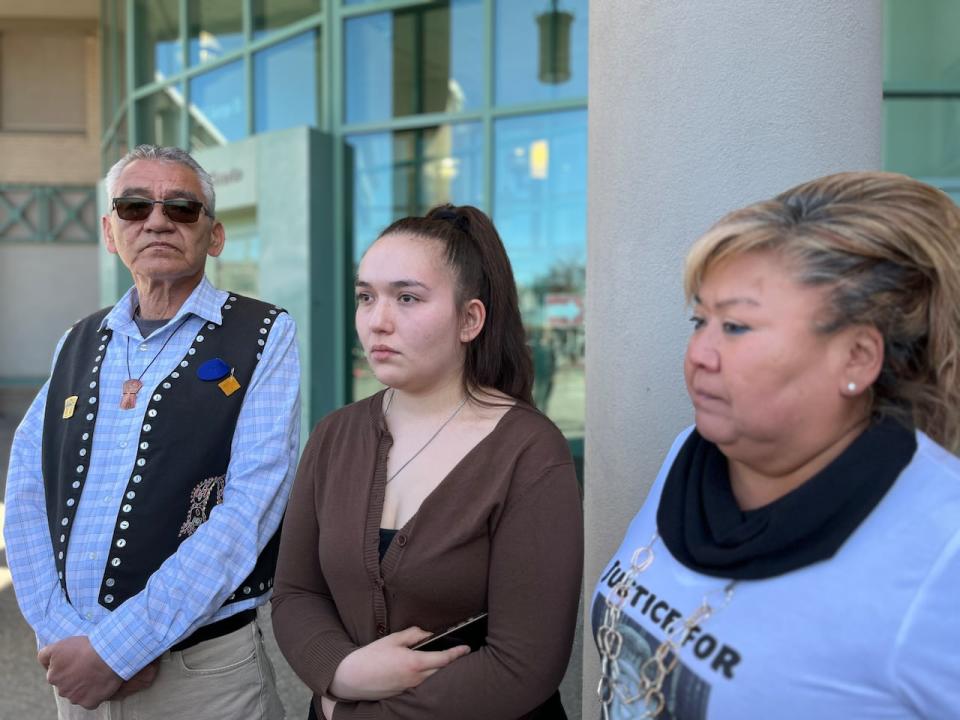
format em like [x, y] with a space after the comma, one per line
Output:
[49, 162]
[324, 120]
[479, 102]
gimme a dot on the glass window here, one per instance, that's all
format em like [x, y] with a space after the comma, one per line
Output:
[286, 81]
[271, 15]
[217, 110]
[215, 28]
[409, 171]
[406, 173]
[158, 116]
[921, 48]
[540, 209]
[158, 48]
[116, 146]
[238, 266]
[541, 50]
[114, 59]
[922, 137]
[415, 60]
[121, 57]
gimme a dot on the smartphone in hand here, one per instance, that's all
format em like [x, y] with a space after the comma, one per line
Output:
[472, 632]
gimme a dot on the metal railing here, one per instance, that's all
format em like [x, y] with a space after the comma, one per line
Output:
[33, 213]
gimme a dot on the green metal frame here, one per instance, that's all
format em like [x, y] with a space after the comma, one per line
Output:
[328, 21]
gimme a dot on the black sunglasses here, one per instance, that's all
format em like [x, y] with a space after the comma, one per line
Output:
[179, 210]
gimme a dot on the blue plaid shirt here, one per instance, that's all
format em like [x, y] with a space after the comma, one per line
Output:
[187, 591]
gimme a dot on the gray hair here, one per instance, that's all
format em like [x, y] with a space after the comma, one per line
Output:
[162, 154]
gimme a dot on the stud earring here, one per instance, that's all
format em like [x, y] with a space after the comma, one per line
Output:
[852, 386]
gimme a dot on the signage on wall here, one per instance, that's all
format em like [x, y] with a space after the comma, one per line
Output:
[234, 171]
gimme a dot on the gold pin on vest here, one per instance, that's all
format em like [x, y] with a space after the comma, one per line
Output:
[229, 385]
[69, 405]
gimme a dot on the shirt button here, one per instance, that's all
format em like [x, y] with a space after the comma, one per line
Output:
[401, 540]
[381, 629]
[106, 500]
[92, 556]
[123, 444]
[143, 347]
[89, 616]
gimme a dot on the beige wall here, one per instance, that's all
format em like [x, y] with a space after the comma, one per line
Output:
[55, 9]
[50, 157]
[46, 287]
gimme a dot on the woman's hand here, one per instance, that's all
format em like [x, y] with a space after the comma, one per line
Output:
[327, 706]
[387, 667]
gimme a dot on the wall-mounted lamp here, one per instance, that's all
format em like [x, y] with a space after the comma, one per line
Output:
[554, 27]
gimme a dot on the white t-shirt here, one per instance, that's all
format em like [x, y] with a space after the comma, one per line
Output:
[874, 632]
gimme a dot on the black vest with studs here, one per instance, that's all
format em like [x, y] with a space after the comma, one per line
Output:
[180, 471]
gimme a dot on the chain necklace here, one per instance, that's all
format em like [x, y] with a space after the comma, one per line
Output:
[432, 437]
[132, 385]
[654, 670]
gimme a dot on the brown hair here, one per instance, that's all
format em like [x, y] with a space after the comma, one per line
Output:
[498, 357]
[886, 248]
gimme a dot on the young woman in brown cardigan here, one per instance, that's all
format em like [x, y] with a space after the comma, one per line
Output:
[443, 496]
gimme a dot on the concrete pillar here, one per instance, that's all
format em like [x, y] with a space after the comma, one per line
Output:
[696, 108]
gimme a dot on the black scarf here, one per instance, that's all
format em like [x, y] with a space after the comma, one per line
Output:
[703, 527]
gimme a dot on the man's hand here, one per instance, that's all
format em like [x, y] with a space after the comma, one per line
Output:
[387, 667]
[141, 681]
[78, 673]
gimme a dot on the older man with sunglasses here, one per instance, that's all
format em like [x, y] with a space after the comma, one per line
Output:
[148, 479]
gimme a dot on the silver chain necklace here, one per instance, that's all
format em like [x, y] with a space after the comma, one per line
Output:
[432, 437]
[654, 670]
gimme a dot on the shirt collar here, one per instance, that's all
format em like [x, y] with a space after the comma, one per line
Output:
[205, 302]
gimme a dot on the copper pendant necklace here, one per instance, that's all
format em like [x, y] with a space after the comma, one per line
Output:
[132, 385]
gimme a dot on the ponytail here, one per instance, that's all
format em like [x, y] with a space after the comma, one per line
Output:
[498, 357]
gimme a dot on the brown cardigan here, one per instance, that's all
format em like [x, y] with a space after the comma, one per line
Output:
[502, 532]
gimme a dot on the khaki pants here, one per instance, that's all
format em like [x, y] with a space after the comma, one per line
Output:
[227, 678]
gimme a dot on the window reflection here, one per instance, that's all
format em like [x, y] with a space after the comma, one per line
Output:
[158, 47]
[287, 83]
[540, 211]
[541, 50]
[238, 266]
[117, 146]
[158, 116]
[216, 107]
[121, 56]
[114, 62]
[215, 28]
[271, 15]
[406, 173]
[416, 60]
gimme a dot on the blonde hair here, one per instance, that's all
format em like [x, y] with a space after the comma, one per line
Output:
[886, 249]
